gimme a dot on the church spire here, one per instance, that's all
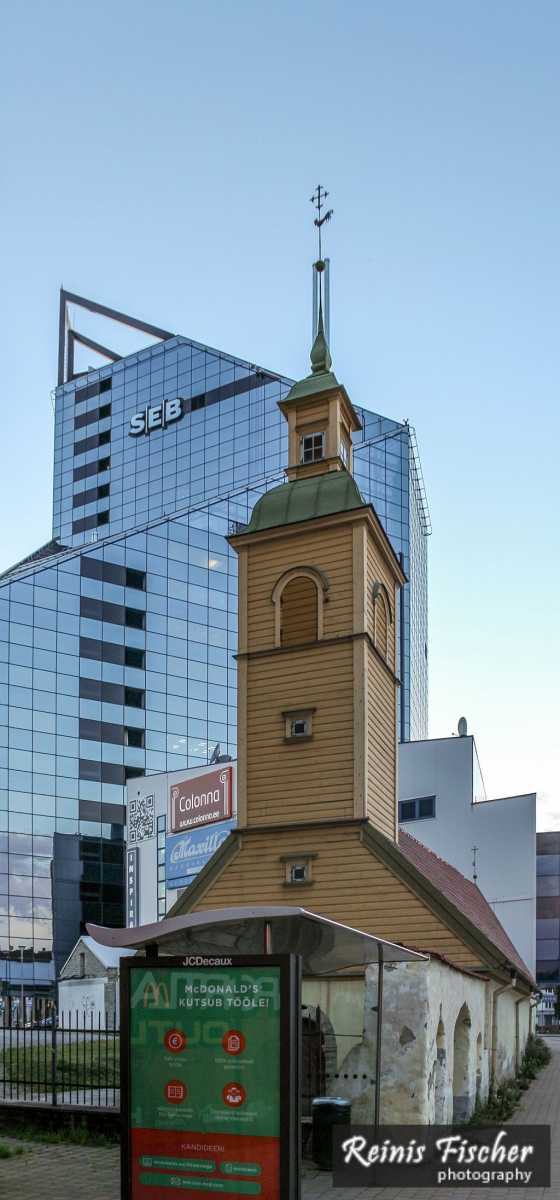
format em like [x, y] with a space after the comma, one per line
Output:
[321, 418]
[320, 355]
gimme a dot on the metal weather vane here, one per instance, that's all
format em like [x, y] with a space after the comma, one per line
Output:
[318, 201]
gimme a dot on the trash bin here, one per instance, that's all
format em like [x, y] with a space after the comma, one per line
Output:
[327, 1111]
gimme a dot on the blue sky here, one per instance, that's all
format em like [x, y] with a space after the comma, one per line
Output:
[160, 159]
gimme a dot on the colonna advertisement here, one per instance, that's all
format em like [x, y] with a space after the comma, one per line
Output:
[201, 800]
[209, 1099]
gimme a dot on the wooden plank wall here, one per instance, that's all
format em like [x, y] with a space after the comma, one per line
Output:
[330, 550]
[309, 780]
[349, 885]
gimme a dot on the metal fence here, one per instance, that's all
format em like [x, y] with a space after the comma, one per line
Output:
[61, 1060]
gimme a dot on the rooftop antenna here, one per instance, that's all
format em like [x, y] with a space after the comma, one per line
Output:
[321, 268]
[475, 873]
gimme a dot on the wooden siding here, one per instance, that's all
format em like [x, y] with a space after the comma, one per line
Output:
[382, 747]
[328, 550]
[349, 884]
[378, 571]
[298, 619]
[298, 781]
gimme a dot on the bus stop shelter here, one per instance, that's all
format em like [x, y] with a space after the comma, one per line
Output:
[336, 1003]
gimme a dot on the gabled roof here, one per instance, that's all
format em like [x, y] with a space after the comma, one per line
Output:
[108, 956]
[463, 894]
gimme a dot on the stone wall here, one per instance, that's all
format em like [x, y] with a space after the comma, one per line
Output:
[93, 968]
[436, 1044]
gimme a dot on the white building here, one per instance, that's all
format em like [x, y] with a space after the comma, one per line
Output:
[443, 803]
[175, 822]
[88, 987]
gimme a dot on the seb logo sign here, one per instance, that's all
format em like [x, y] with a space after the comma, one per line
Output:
[158, 417]
[201, 800]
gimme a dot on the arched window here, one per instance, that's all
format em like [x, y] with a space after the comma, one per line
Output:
[440, 1098]
[382, 620]
[298, 598]
[463, 1099]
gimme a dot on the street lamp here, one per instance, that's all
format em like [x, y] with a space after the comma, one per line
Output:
[21, 947]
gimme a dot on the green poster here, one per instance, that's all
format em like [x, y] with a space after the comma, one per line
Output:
[205, 1079]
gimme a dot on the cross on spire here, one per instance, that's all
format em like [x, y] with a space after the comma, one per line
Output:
[318, 201]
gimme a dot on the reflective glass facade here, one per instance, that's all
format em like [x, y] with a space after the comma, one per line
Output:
[117, 639]
[548, 909]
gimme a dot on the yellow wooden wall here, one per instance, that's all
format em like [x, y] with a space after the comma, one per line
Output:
[300, 780]
[349, 885]
[322, 778]
[381, 747]
[329, 549]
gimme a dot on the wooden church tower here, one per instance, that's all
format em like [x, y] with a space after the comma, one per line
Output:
[318, 584]
[317, 708]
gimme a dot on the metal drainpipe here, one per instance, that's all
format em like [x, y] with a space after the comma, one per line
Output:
[517, 1056]
[494, 1048]
[378, 1031]
[533, 1006]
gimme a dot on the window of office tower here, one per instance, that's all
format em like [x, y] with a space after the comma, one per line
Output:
[85, 714]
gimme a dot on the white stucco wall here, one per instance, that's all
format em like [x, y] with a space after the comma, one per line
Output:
[504, 831]
[436, 1045]
[77, 997]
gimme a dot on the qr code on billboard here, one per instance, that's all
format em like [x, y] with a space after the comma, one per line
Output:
[141, 819]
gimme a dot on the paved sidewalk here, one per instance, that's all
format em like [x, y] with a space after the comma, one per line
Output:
[67, 1172]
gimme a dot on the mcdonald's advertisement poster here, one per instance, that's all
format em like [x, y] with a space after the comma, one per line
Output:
[205, 1081]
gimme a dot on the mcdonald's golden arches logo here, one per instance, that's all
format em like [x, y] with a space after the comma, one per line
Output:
[157, 993]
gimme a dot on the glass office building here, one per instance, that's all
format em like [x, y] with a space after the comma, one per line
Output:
[548, 909]
[117, 637]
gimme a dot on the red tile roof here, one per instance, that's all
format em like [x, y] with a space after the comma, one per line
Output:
[463, 894]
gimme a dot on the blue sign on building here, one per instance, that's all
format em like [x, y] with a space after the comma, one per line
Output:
[187, 853]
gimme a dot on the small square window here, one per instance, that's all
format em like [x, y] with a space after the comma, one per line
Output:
[297, 868]
[134, 737]
[298, 873]
[134, 618]
[407, 810]
[298, 725]
[312, 447]
[134, 657]
[299, 728]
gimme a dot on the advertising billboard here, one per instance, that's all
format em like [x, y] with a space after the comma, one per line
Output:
[209, 1077]
[200, 800]
[187, 853]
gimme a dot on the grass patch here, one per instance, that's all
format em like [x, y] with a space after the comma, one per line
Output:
[87, 1063]
[503, 1101]
[10, 1151]
[78, 1134]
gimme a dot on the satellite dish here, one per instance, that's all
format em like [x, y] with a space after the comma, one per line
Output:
[462, 727]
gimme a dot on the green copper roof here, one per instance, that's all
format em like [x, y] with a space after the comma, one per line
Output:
[310, 386]
[321, 377]
[314, 496]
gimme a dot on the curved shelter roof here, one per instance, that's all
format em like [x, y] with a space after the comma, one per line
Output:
[326, 946]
